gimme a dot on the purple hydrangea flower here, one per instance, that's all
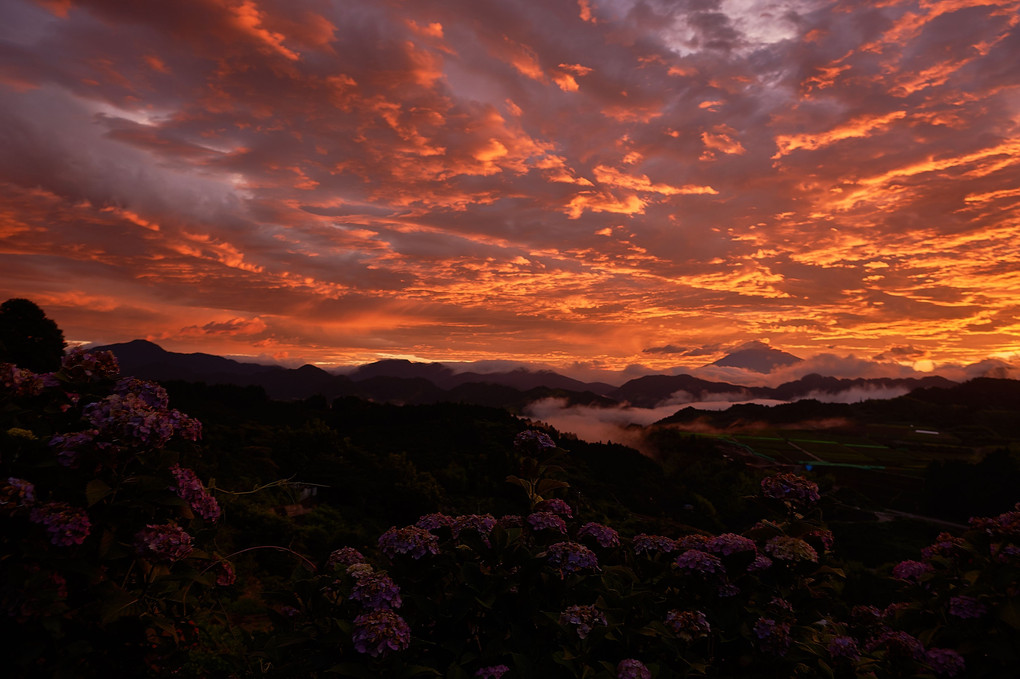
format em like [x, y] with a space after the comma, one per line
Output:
[966, 607]
[790, 488]
[693, 541]
[150, 393]
[376, 590]
[191, 490]
[911, 570]
[730, 543]
[534, 441]
[510, 521]
[603, 535]
[379, 632]
[700, 562]
[570, 557]
[431, 522]
[688, 625]
[345, 556]
[480, 523]
[167, 543]
[773, 636]
[70, 447]
[896, 644]
[494, 672]
[547, 521]
[653, 543]
[66, 525]
[1004, 525]
[944, 661]
[786, 548]
[17, 493]
[760, 563]
[82, 366]
[945, 545]
[584, 618]
[843, 647]
[632, 669]
[21, 382]
[556, 506]
[411, 540]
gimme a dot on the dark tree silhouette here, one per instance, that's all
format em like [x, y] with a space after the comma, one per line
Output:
[28, 338]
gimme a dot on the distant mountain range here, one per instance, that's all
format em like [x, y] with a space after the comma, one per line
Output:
[401, 381]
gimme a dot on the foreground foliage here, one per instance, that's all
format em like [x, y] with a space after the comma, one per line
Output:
[118, 558]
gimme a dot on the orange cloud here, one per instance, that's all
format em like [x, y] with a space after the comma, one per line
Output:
[862, 126]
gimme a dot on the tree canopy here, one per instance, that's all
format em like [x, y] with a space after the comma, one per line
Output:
[28, 338]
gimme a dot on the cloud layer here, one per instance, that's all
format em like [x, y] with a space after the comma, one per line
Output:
[600, 182]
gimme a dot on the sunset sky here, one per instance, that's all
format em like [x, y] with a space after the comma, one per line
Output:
[587, 183]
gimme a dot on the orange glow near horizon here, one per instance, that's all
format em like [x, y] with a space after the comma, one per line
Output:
[589, 187]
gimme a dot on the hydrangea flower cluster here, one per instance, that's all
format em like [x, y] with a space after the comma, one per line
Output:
[603, 535]
[632, 669]
[700, 562]
[66, 525]
[380, 631]
[842, 646]
[166, 543]
[896, 644]
[945, 662]
[584, 619]
[786, 548]
[17, 494]
[773, 636]
[692, 541]
[191, 490]
[688, 625]
[411, 540]
[547, 521]
[760, 563]
[345, 556]
[375, 590]
[945, 545]
[556, 506]
[790, 488]
[20, 382]
[730, 543]
[911, 570]
[480, 523]
[966, 607]
[534, 441]
[653, 543]
[493, 672]
[84, 366]
[571, 557]
[71, 447]
[431, 522]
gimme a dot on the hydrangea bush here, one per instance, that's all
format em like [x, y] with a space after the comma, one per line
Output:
[557, 596]
[109, 534]
[105, 532]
